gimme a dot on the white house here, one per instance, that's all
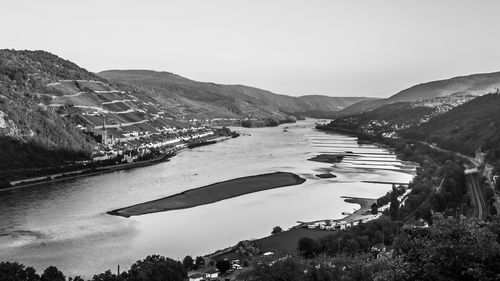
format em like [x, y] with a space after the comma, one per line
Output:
[212, 273]
[343, 224]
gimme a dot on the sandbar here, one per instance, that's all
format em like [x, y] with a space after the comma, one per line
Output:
[212, 193]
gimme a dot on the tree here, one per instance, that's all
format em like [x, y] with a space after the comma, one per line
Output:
[17, 272]
[223, 266]
[378, 237]
[394, 207]
[188, 262]
[308, 247]
[106, 276]
[374, 209]
[451, 249]
[276, 230]
[51, 273]
[200, 262]
[352, 246]
[157, 268]
[288, 269]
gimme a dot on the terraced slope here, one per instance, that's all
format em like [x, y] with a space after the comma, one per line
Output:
[198, 99]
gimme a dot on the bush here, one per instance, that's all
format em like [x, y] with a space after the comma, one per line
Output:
[17, 272]
[276, 230]
[51, 273]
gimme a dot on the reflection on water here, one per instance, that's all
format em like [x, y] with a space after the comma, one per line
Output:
[65, 224]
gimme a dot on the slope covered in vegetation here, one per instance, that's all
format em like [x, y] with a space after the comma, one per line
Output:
[200, 99]
[32, 135]
[473, 125]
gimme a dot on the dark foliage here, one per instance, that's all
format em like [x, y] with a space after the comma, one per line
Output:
[157, 268]
[51, 273]
[188, 262]
[34, 136]
[223, 266]
[199, 262]
[13, 271]
[308, 247]
[360, 238]
[454, 249]
[276, 230]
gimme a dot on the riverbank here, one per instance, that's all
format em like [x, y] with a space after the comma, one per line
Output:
[87, 172]
[286, 241]
[104, 169]
[212, 193]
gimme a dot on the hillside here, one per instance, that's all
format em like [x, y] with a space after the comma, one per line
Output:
[55, 115]
[465, 128]
[52, 114]
[200, 99]
[389, 119]
[475, 85]
[30, 135]
[325, 103]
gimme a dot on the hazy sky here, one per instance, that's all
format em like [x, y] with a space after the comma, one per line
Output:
[337, 48]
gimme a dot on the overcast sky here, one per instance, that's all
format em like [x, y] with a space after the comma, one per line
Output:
[337, 48]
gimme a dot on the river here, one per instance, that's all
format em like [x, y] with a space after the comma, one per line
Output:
[65, 223]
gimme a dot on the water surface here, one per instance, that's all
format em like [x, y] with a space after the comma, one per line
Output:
[65, 223]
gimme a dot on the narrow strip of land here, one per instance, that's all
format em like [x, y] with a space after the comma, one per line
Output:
[212, 193]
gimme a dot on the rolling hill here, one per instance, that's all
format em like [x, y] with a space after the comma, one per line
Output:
[191, 98]
[475, 84]
[52, 112]
[30, 135]
[472, 125]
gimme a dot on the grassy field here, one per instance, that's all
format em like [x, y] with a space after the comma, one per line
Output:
[212, 193]
[287, 240]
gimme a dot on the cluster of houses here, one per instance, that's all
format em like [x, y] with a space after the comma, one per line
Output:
[211, 274]
[332, 224]
[439, 106]
[130, 149]
[339, 225]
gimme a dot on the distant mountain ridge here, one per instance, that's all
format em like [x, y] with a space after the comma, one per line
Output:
[465, 128]
[52, 112]
[474, 84]
[202, 98]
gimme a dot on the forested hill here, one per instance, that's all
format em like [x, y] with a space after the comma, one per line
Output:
[472, 125]
[51, 110]
[193, 98]
[30, 134]
[475, 84]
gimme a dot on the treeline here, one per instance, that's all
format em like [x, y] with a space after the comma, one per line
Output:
[439, 184]
[22, 64]
[268, 122]
[358, 239]
[438, 171]
[152, 268]
[450, 249]
[384, 119]
[465, 128]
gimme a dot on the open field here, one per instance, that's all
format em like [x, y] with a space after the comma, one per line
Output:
[287, 240]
